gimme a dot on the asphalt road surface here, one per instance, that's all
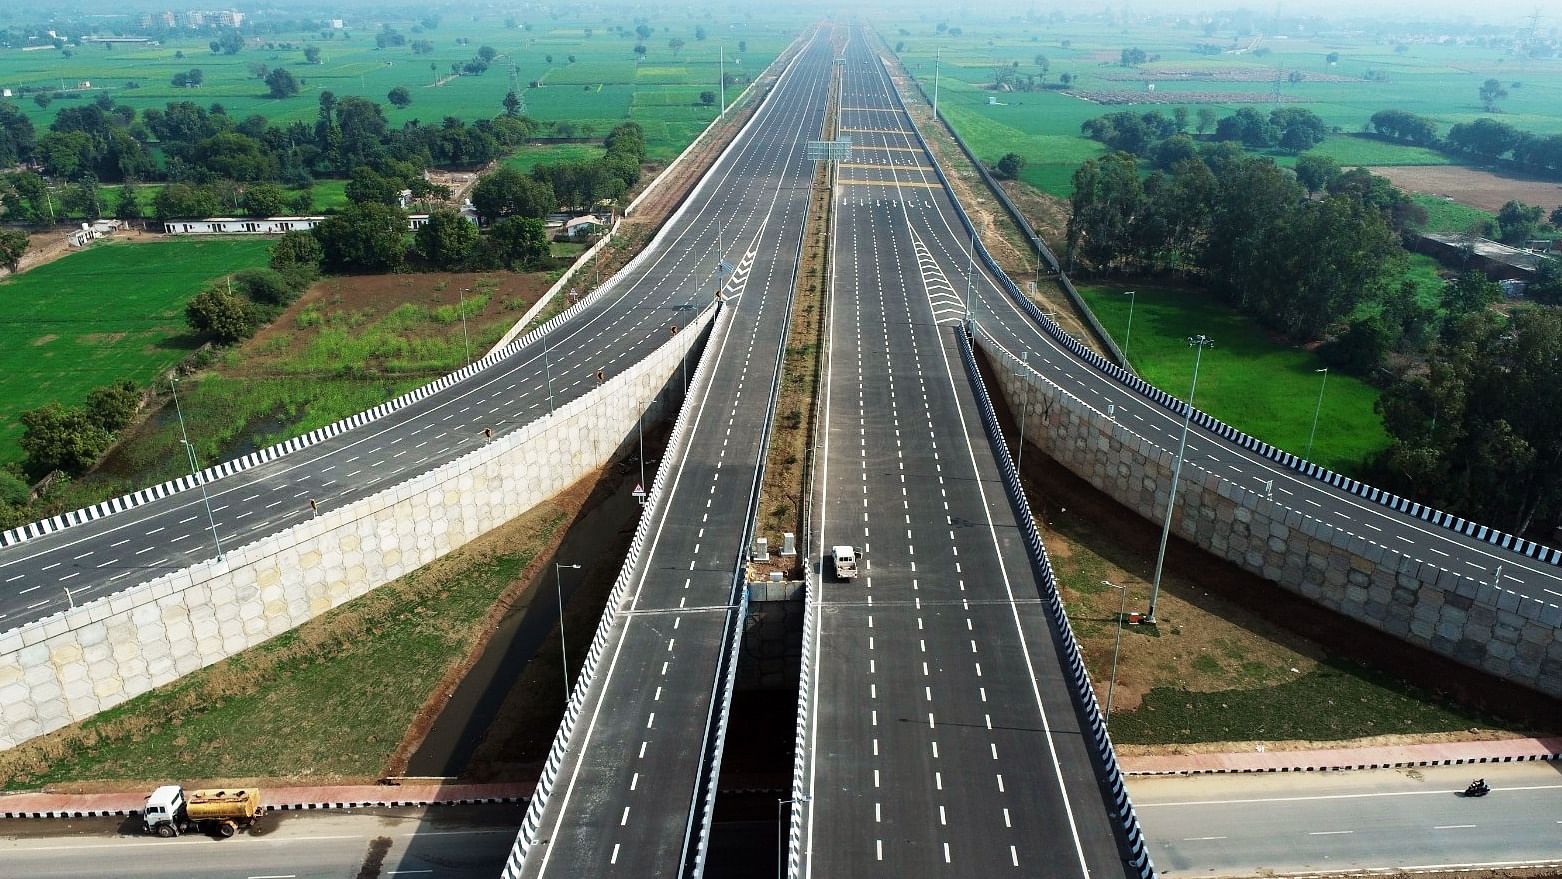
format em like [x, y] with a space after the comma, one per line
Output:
[446, 842]
[945, 739]
[628, 795]
[1249, 825]
[885, 149]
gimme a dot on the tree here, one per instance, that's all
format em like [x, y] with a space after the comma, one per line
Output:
[1480, 432]
[1556, 217]
[1206, 119]
[1316, 172]
[265, 286]
[1133, 57]
[1298, 128]
[707, 97]
[17, 135]
[1491, 92]
[282, 83]
[264, 200]
[675, 44]
[487, 53]
[1249, 127]
[311, 55]
[13, 243]
[364, 237]
[640, 51]
[369, 186]
[643, 31]
[1106, 198]
[742, 46]
[447, 239]
[1517, 222]
[1471, 291]
[225, 317]
[518, 242]
[1010, 166]
[112, 406]
[126, 205]
[399, 97]
[699, 32]
[228, 44]
[181, 200]
[1332, 58]
[84, 199]
[296, 256]
[55, 437]
[512, 105]
[507, 192]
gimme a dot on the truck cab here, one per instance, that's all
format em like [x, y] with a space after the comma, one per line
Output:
[845, 561]
[164, 812]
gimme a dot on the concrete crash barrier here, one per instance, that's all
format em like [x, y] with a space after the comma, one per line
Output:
[1478, 624]
[70, 666]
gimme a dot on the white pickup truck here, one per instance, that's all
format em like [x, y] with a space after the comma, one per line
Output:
[845, 559]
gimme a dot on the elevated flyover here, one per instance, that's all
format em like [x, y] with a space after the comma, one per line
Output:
[628, 787]
[946, 732]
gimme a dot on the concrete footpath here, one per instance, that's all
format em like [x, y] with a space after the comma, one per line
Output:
[1327, 759]
[274, 799]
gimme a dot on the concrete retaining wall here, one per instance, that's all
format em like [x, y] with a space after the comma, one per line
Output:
[1475, 623]
[70, 666]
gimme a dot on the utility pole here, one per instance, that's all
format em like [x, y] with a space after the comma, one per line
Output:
[1128, 335]
[937, 55]
[1198, 343]
[558, 582]
[970, 301]
[1111, 689]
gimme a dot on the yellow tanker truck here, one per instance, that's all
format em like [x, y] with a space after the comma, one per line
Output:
[171, 810]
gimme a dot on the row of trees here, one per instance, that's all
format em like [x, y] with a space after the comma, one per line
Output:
[1156, 135]
[1488, 139]
[1246, 228]
[111, 142]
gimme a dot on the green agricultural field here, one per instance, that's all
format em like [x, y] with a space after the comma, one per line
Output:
[1248, 380]
[1432, 80]
[111, 312]
[529, 157]
[1443, 215]
[602, 86]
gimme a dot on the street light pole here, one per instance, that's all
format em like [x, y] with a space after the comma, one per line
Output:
[1111, 689]
[1128, 336]
[1019, 458]
[1317, 410]
[547, 370]
[466, 339]
[1198, 343]
[781, 831]
[640, 427]
[970, 280]
[558, 583]
[189, 453]
[937, 55]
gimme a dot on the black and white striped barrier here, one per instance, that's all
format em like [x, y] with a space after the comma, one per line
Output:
[1128, 821]
[800, 792]
[532, 823]
[286, 807]
[1351, 767]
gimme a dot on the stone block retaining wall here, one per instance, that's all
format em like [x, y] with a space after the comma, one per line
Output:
[1474, 622]
[70, 666]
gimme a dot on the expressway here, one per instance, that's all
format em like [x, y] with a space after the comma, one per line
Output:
[886, 149]
[629, 796]
[634, 312]
[1405, 819]
[945, 738]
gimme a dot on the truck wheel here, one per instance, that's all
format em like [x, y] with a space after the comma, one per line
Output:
[225, 829]
[166, 831]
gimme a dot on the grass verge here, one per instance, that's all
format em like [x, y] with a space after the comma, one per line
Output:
[1248, 379]
[328, 701]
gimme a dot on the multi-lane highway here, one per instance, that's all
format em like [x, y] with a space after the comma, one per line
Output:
[1389, 819]
[945, 739]
[882, 154]
[676, 273]
[629, 797]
